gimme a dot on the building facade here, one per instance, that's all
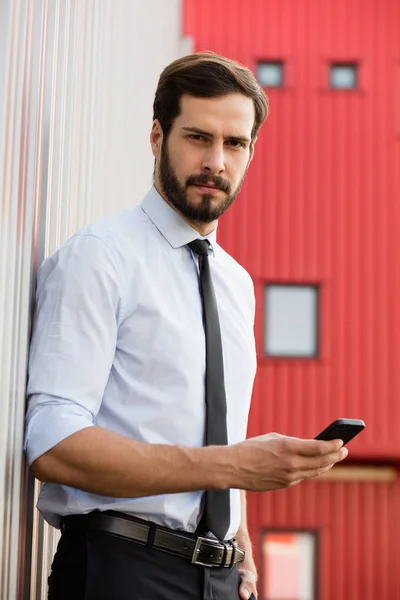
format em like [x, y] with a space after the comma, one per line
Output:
[317, 226]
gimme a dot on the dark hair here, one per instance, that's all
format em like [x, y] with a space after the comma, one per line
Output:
[205, 75]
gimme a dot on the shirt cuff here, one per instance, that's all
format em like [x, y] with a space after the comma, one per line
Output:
[49, 424]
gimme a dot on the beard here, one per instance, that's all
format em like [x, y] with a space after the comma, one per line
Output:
[177, 194]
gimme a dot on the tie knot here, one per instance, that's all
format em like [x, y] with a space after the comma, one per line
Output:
[200, 246]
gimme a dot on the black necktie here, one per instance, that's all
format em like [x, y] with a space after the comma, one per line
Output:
[216, 517]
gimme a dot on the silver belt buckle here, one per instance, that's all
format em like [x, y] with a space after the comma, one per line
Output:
[197, 549]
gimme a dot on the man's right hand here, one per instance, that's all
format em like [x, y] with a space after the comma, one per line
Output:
[274, 461]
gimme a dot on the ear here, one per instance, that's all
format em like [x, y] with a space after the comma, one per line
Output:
[253, 143]
[156, 138]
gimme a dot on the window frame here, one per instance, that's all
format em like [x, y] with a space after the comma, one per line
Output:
[344, 64]
[315, 533]
[272, 62]
[317, 339]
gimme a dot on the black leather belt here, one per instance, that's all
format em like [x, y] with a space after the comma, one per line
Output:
[198, 549]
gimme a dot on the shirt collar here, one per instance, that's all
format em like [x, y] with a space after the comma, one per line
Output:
[170, 224]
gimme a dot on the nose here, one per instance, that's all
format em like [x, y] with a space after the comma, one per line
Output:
[214, 160]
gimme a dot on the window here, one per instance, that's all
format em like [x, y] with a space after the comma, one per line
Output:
[270, 74]
[289, 566]
[291, 320]
[343, 77]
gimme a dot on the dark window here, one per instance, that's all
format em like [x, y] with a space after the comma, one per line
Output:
[343, 76]
[291, 320]
[270, 74]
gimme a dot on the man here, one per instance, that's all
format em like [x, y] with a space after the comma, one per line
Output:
[142, 365]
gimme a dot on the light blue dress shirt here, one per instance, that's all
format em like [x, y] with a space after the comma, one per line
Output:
[118, 342]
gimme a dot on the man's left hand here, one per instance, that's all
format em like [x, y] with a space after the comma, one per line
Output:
[247, 584]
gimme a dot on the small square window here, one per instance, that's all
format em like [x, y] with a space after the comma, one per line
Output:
[343, 77]
[270, 74]
[291, 321]
[289, 565]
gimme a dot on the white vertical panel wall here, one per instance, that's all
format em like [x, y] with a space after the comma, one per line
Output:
[77, 79]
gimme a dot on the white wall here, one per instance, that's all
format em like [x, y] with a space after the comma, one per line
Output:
[77, 79]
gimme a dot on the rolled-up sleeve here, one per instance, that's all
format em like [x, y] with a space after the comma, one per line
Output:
[73, 341]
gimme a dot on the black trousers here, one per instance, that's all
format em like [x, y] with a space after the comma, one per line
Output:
[91, 565]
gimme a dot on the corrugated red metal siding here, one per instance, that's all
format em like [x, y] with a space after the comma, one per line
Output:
[322, 204]
[356, 558]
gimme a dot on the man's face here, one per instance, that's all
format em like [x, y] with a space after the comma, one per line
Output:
[201, 166]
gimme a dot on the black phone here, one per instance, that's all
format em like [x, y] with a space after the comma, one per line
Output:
[342, 429]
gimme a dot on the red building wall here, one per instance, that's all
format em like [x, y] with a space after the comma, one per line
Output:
[321, 205]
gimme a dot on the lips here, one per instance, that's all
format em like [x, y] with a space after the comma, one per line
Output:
[216, 184]
[207, 185]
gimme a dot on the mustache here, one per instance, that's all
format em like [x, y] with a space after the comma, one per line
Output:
[204, 179]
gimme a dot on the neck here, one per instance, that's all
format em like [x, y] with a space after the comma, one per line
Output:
[202, 228]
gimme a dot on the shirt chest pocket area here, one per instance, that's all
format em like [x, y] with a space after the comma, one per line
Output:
[163, 329]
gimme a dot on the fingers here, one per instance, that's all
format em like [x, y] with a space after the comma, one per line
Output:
[300, 467]
[321, 465]
[318, 447]
[278, 461]
[247, 585]
[247, 592]
[326, 460]
[312, 474]
[322, 462]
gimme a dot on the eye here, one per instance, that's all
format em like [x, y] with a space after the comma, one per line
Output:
[197, 137]
[236, 144]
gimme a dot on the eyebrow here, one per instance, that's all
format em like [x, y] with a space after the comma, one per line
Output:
[239, 138]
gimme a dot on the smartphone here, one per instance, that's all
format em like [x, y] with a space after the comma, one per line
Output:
[342, 429]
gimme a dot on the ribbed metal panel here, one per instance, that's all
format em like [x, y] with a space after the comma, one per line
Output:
[321, 203]
[321, 206]
[75, 112]
[15, 240]
[357, 534]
